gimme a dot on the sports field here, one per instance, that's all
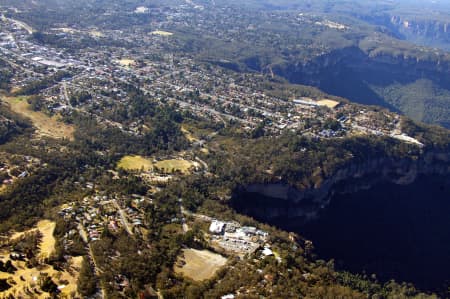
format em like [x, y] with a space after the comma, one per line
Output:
[135, 163]
[199, 264]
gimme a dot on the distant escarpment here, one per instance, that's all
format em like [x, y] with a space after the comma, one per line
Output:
[272, 201]
[384, 216]
[431, 31]
[416, 84]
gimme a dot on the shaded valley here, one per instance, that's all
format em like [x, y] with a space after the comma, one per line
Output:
[393, 231]
[418, 88]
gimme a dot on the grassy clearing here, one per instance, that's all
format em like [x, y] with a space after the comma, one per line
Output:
[3, 188]
[135, 163]
[127, 62]
[166, 166]
[68, 30]
[47, 228]
[96, 33]
[329, 103]
[174, 165]
[188, 134]
[199, 264]
[229, 143]
[47, 246]
[161, 33]
[46, 126]
[196, 130]
[28, 278]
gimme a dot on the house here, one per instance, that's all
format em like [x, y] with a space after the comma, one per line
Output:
[23, 174]
[217, 227]
[17, 256]
[305, 101]
[267, 251]
[148, 293]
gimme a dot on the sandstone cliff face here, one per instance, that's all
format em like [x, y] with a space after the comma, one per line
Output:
[431, 28]
[396, 66]
[369, 75]
[430, 31]
[283, 201]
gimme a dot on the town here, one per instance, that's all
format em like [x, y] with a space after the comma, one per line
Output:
[188, 148]
[233, 237]
[92, 80]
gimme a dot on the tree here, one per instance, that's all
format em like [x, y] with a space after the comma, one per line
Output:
[47, 284]
[87, 284]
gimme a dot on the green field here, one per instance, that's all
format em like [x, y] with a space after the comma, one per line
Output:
[165, 166]
[174, 165]
[135, 163]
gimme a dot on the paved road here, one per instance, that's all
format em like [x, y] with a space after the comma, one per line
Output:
[95, 268]
[123, 217]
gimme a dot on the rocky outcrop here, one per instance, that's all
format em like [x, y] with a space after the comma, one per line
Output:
[281, 201]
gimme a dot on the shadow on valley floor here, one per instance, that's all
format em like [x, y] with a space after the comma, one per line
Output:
[397, 232]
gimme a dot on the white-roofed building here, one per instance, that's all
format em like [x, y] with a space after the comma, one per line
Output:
[217, 227]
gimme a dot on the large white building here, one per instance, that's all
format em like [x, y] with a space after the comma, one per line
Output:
[217, 227]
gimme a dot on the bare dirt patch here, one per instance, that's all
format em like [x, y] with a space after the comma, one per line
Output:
[328, 103]
[199, 264]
